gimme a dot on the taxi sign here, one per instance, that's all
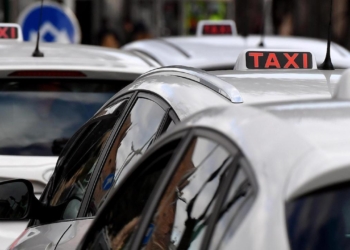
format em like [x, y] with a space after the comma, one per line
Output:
[277, 59]
[216, 28]
[10, 31]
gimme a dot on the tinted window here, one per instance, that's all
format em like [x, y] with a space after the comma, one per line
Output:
[35, 113]
[114, 109]
[183, 212]
[117, 221]
[136, 134]
[80, 160]
[237, 194]
[321, 220]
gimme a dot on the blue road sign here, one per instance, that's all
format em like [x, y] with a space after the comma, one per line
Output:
[59, 24]
[108, 182]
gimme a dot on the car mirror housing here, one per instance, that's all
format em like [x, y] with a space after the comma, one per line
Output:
[17, 200]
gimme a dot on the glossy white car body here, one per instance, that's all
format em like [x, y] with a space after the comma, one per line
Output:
[94, 62]
[292, 147]
[188, 91]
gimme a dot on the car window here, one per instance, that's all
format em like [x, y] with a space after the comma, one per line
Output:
[239, 191]
[72, 177]
[320, 220]
[170, 126]
[183, 212]
[121, 214]
[38, 116]
[136, 134]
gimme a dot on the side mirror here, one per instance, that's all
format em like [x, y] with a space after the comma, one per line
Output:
[17, 200]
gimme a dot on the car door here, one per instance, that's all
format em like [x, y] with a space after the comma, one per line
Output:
[180, 204]
[145, 117]
[128, 202]
[70, 180]
[148, 118]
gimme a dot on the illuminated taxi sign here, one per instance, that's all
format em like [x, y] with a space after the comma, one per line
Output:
[279, 59]
[10, 31]
[216, 28]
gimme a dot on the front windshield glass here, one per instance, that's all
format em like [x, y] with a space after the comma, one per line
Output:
[36, 114]
[321, 220]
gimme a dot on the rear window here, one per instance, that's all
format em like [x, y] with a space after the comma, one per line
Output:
[35, 114]
[320, 220]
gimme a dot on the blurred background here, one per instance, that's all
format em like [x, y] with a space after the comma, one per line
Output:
[113, 23]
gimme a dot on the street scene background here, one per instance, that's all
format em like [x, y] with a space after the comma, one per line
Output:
[113, 23]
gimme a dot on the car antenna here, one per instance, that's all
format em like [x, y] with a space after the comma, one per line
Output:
[37, 52]
[327, 64]
[262, 32]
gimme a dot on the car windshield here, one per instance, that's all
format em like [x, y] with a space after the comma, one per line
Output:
[36, 114]
[321, 220]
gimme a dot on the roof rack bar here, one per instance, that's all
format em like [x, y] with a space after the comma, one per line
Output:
[214, 83]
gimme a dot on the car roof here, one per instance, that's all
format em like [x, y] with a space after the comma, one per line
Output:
[257, 86]
[187, 90]
[17, 56]
[221, 52]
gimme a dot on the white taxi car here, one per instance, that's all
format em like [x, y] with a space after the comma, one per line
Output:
[100, 155]
[220, 51]
[44, 101]
[273, 176]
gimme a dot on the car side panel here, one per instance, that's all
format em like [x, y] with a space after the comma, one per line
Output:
[43, 237]
[10, 231]
[74, 234]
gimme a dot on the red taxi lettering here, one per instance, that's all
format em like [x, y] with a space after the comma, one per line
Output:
[3, 32]
[272, 61]
[291, 61]
[305, 61]
[222, 29]
[256, 56]
[278, 60]
[13, 32]
[217, 29]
